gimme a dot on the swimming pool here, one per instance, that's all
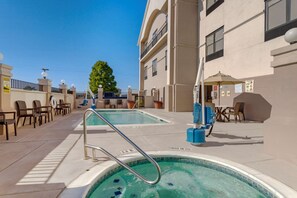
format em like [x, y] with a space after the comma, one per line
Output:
[124, 117]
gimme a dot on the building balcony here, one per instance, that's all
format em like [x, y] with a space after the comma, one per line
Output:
[154, 41]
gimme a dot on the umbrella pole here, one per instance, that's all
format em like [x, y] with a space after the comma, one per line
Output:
[219, 94]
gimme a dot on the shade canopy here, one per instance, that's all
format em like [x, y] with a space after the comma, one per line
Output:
[221, 79]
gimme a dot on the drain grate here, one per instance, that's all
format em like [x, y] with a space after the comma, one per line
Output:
[128, 151]
[180, 148]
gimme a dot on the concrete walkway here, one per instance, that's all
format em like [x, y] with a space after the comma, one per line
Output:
[41, 162]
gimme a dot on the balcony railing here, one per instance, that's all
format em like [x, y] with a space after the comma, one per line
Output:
[19, 84]
[154, 40]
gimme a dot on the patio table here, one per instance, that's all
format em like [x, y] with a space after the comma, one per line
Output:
[221, 113]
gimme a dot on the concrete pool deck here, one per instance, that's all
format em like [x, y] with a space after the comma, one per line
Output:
[41, 162]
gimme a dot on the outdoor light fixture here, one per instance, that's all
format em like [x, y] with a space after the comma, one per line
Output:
[44, 73]
[62, 82]
[100, 86]
[72, 86]
[129, 86]
[291, 36]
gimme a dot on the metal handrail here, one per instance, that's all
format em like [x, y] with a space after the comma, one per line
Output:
[113, 157]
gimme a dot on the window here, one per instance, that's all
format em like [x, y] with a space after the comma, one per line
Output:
[165, 60]
[211, 5]
[280, 16]
[215, 44]
[145, 72]
[154, 67]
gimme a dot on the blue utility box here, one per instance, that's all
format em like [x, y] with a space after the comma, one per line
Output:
[195, 136]
[209, 117]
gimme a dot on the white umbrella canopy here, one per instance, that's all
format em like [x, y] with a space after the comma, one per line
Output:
[221, 79]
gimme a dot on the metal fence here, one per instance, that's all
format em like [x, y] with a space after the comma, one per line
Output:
[19, 84]
[56, 90]
[69, 92]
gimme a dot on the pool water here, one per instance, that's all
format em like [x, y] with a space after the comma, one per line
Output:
[123, 117]
[180, 179]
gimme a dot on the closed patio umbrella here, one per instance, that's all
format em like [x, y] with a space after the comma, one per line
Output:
[221, 79]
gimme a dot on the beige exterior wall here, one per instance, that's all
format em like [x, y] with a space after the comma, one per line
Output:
[176, 84]
[280, 133]
[27, 96]
[157, 24]
[58, 96]
[245, 52]
[153, 8]
[160, 80]
[70, 100]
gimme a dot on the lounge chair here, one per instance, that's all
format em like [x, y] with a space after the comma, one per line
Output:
[106, 103]
[61, 108]
[119, 103]
[236, 111]
[6, 121]
[24, 112]
[66, 106]
[44, 110]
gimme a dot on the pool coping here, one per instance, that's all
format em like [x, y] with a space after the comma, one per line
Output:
[79, 127]
[82, 184]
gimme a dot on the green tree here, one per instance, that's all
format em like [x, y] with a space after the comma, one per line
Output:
[101, 74]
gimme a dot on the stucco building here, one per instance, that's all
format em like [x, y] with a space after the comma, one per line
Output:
[242, 38]
[235, 37]
[168, 45]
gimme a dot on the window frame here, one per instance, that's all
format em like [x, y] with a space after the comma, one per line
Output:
[145, 73]
[166, 60]
[154, 73]
[214, 6]
[280, 29]
[215, 54]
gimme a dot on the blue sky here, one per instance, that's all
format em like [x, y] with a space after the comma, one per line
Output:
[69, 36]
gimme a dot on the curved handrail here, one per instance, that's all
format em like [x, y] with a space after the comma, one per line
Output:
[113, 157]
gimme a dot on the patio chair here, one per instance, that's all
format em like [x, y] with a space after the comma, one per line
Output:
[236, 111]
[107, 103]
[24, 112]
[119, 103]
[43, 110]
[66, 105]
[6, 121]
[62, 108]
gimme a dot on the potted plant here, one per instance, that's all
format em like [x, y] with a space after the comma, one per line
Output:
[130, 104]
[158, 104]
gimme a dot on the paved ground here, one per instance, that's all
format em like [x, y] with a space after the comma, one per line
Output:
[41, 162]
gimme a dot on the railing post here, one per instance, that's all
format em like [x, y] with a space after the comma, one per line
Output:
[100, 101]
[5, 89]
[46, 86]
[63, 87]
[129, 95]
[73, 89]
